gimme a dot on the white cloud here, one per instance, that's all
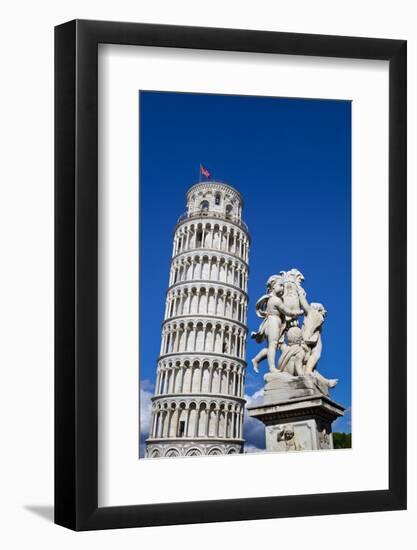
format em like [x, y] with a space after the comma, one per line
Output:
[147, 385]
[146, 391]
[145, 407]
[255, 398]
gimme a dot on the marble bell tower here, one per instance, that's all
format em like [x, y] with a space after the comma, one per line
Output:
[198, 405]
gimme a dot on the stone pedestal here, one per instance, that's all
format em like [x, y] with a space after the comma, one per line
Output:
[296, 414]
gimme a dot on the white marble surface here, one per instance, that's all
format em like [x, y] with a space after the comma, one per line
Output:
[198, 406]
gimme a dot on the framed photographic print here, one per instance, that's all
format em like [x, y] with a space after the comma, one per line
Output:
[230, 275]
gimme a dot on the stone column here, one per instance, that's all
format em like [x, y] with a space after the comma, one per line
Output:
[197, 422]
[206, 429]
[187, 421]
[217, 421]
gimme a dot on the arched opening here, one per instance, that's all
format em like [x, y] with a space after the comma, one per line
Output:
[204, 206]
[209, 338]
[193, 452]
[215, 383]
[194, 301]
[202, 421]
[181, 428]
[216, 237]
[192, 421]
[214, 451]
[218, 339]
[200, 338]
[182, 420]
[173, 419]
[222, 422]
[182, 338]
[212, 421]
[229, 210]
[172, 452]
[211, 306]
[205, 384]
[178, 381]
[226, 342]
[199, 237]
[203, 301]
[196, 377]
[229, 418]
[205, 272]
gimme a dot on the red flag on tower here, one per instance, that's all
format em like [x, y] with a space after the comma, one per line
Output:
[204, 172]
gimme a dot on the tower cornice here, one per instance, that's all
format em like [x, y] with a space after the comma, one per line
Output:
[214, 217]
[218, 398]
[199, 354]
[203, 318]
[196, 252]
[201, 282]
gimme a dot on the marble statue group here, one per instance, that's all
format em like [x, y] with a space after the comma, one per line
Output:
[296, 409]
[282, 308]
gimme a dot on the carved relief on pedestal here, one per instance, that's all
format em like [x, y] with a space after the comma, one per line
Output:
[288, 439]
[324, 439]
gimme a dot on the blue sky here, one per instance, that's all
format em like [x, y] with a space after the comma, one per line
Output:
[291, 161]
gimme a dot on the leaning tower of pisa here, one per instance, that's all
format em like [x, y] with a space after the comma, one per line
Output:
[198, 404]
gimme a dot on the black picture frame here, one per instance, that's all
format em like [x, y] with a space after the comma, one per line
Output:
[76, 274]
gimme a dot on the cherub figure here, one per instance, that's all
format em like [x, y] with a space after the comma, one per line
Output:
[311, 330]
[324, 439]
[293, 353]
[311, 333]
[287, 435]
[275, 314]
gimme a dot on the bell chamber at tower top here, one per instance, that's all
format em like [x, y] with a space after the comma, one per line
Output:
[215, 200]
[213, 221]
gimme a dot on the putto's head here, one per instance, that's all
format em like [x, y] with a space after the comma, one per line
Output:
[319, 307]
[294, 336]
[275, 284]
[295, 276]
[288, 432]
